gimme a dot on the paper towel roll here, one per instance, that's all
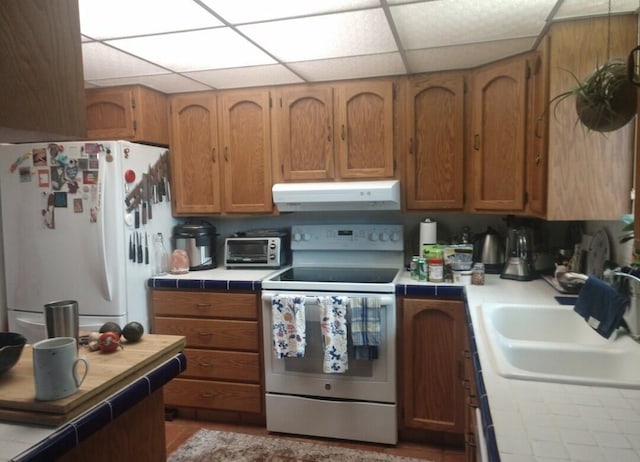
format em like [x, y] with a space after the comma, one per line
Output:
[427, 233]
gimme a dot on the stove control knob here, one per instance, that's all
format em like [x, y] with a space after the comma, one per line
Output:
[373, 237]
[297, 236]
[384, 237]
[395, 237]
[306, 237]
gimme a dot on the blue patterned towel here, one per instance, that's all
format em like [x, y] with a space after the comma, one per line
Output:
[333, 324]
[365, 327]
[601, 306]
[289, 337]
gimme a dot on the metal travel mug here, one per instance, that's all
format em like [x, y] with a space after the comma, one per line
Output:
[61, 319]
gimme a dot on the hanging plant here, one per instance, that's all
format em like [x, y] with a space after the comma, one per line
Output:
[606, 99]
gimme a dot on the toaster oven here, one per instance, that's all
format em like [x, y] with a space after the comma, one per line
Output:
[256, 252]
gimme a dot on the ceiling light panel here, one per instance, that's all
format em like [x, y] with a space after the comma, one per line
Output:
[354, 67]
[246, 77]
[128, 18]
[166, 83]
[465, 56]
[103, 62]
[453, 22]
[327, 36]
[196, 50]
[578, 8]
[245, 11]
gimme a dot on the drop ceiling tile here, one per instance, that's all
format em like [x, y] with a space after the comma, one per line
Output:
[581, 8]
[353, 67]
[327, 36]
[166, 83]
[127, 18]
[454, 22]
[196, 50]
[465, 56]
[245, 11]
[246, 77]
[103, 62]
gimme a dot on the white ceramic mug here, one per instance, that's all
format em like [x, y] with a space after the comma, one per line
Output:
[55, 368]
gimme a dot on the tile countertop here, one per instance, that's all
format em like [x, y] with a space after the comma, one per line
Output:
[542, 421]
[528, 421]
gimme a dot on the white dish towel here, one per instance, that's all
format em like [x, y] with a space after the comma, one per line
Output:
[289, 336]
[333, 324]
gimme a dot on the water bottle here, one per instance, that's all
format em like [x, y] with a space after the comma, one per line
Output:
[160, 256]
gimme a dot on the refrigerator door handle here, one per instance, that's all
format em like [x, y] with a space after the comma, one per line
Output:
[102, 195]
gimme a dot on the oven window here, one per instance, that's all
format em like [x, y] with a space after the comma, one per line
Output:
[254, 251]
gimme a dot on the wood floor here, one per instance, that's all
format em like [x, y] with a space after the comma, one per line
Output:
[179, 430]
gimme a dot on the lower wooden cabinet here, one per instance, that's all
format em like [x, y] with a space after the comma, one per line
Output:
[471, 404]
[432, 396]
[224, 365]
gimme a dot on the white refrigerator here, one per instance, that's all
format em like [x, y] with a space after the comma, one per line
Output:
[79, 221]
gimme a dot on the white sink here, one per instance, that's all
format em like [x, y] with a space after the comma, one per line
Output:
[553, 343]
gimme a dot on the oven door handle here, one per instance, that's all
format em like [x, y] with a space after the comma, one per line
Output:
[385, 300]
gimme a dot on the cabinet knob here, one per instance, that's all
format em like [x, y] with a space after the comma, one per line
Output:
[226, 153]
[411, 145]
[203, 364]
[205, 334]
[203, 306]
[213, 154]
[329, 133]
[343, 134]
[476, 142]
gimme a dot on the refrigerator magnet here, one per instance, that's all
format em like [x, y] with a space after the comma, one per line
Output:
[77, 205]
[43, 178]
[53, 150]
[60, 199]
[39, 157]
[25, 174]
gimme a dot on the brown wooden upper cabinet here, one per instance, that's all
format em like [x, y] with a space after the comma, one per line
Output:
[221, 152]
[245, 142]
[435, 130]
[589, 174]
[195, 157]
[339, 131]
[304, 132]
[133, 113]
[41, 76]
[497, 144]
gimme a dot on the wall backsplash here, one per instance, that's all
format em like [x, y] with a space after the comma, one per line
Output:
[555, 234]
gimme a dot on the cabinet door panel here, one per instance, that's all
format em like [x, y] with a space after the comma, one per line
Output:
[434, 173]
[365, 130]
[305, 133]
[222, 365]
[194, 154]
[246, 141]
[433, 341]
[498, 143]
[204, 304]
[202, 394]
[110, 114]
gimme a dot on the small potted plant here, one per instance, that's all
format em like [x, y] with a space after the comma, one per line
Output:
[606, 99]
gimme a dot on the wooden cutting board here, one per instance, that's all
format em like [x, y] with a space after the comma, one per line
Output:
[108, 373]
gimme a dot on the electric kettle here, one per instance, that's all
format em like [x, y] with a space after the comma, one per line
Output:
[519, 255]
[489, 249]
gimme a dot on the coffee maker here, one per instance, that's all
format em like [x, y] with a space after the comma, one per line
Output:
[519, 255]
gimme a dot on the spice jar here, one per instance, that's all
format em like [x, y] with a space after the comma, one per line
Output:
[436, 266]
[477, 274]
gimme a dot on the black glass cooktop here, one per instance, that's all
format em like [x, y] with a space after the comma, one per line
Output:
[338, 274]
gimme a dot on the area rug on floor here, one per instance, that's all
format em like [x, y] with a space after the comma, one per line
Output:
[212, 446]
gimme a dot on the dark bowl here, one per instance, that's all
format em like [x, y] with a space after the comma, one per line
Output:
[11, 345]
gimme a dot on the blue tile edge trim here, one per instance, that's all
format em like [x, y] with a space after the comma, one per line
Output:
[485, 411]
[211, 284]
[430, 290]
[77, 430]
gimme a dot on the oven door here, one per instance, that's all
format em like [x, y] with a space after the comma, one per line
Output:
[365, 380]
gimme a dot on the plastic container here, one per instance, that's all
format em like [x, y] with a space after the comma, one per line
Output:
[462, 277]
[477, 274]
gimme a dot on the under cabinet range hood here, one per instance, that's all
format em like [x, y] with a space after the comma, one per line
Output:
[353, 195]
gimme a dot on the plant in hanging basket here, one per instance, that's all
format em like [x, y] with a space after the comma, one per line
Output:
[606, 99]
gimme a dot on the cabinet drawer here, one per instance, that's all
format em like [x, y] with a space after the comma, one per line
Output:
[222, 365]
[211, 333]
[204, 394]
[204, 304]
